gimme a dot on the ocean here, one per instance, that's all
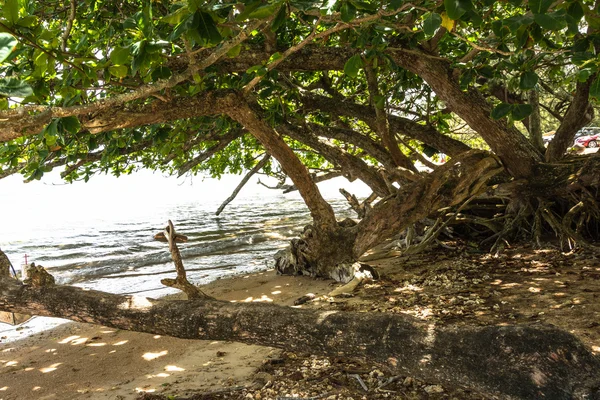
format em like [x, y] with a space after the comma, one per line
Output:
[99, 235]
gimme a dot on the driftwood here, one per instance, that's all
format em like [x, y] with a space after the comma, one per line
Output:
[181, 281]
[5, 270]
[245, 180]
[505, 362]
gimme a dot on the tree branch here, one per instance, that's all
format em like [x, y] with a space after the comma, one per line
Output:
[181, 282]
[245, 180]
[249, 114]
[65, 36]
[475, 357]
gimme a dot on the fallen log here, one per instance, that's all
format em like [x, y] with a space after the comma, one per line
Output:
[506, 362]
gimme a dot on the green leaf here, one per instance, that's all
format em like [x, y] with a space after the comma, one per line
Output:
[120, 55]
[364, 6]
[457, 8]
[353, 66]
[182, 27]
[528, 80]
[11, 87]
[575, 11]
[120, 71]
[552, 21]
[193, 5]
[466, 79]
[51, 131]
[521, 111]
[514, 23]
[539, 6]
[161, 72]
[11, 11]
[279, 18]
[348, 11]
[501, 110]
[176, 17]
[234, 51]
[7, 45]
[206, 27]
[595, 88]
[264, 11]
[432, 23]
[70, 124]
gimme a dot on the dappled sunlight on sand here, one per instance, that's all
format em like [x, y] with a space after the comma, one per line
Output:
[69, 339]
[262, 299]
[174, 368]
[50, 368]
[144, 390]
[10, 363]
[154, 356]
[122, 342]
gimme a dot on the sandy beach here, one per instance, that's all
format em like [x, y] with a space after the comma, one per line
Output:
[82, 361]
[521, 286]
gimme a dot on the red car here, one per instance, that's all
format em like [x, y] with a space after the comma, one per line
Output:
[588, 141]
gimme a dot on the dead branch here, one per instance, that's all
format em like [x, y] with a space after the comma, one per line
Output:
[245, 180]
[181, 281]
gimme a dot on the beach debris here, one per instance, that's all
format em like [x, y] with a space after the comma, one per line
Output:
[181, 282]
[360, 381]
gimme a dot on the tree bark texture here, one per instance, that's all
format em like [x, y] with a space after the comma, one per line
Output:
[450, 184]
[248, 114]
[426, 134]
[578, 115]
[516, 152]
[332, 254]
[506, 362]
[350, 164]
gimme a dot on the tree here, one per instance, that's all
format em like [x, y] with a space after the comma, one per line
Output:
[356, 88]
[359, 88]
[351, 87]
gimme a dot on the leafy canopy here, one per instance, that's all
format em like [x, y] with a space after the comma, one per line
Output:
[87, 51]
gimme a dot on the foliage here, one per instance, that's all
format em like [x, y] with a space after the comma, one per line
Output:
[74, 57]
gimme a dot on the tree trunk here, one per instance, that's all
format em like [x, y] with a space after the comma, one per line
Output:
[577, 116]
[516, 152]
[508, 362]
[332, 254]
[535, 122]
[249, 116]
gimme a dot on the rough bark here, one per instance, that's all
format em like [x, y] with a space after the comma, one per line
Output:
[122, 116]
[349, 164]
[248, 114]
[374, 149]
[382, 125]
[578, 115]
[450, 184]
[506, 362]
[535, 122]
[516, 152]
[332, 254]
[426, 134]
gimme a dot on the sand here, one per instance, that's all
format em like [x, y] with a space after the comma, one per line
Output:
[523, 285]
[82, 361]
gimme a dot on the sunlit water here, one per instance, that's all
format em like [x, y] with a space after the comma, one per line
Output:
[100, 235]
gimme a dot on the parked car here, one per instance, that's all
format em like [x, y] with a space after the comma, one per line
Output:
[588, 137]
[588, 141]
